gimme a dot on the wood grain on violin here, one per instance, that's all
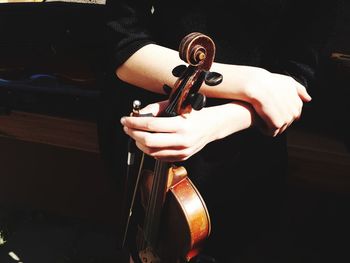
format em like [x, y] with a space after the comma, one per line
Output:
[175, 221]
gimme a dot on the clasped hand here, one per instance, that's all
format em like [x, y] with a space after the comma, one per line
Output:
[277, 99]
[169, 138]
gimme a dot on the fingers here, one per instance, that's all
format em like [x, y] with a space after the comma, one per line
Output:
[151, 124]
[283, 109]
[166, 154]
[276, 120]
[169, 147]
[303, 94]
[165, 138]
[157, 140]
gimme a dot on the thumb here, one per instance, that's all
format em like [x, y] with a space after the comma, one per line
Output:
[154, 108]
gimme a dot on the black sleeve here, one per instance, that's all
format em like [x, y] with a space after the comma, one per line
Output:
[305, 29]
[128, 22]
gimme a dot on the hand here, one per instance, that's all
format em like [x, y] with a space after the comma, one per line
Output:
[178, 138]
[168, 138]
[277, 99]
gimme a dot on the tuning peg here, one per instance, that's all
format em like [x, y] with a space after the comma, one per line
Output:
[197, 101]
[213, 78]
[178, 70]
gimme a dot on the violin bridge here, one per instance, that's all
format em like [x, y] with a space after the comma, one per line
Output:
[148, 256]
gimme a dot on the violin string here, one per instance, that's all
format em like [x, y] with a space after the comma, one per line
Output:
[151, 207]
[173, 103]
[151, 203]
[179, 90]
[151, 215]
[160, 185]
[159, 190]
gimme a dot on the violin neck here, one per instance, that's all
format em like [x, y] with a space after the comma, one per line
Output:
[156, 202]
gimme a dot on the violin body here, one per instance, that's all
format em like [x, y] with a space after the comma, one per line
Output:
[184, 223]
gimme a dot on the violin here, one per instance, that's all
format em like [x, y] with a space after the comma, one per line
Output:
[175, 221]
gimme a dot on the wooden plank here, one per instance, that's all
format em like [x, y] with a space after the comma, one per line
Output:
[318, 160]
[62, 132]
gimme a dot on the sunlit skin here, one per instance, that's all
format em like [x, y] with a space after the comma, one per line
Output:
[270, 101]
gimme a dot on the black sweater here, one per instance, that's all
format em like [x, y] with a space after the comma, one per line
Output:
[244, 171]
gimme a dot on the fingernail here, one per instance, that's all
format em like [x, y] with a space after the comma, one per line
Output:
[122, 120]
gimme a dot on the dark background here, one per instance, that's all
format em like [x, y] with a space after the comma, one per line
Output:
[58, 203]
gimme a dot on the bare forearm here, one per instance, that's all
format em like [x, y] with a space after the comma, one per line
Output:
[151, 66]
[229, 118]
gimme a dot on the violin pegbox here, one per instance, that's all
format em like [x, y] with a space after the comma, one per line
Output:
[198, 51]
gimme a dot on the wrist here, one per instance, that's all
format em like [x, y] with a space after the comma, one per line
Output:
[250, 81]
[239, 82]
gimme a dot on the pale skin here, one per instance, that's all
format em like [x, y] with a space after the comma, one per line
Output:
[276, 99]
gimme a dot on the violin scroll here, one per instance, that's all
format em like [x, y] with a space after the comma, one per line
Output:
[198, 51]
